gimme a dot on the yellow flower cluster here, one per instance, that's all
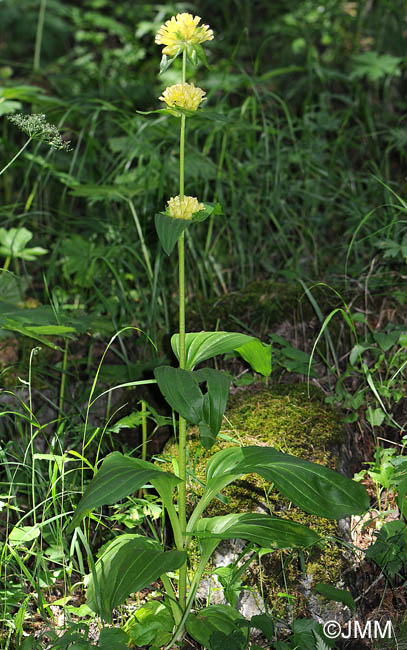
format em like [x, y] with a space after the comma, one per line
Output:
[183, 95]
[182, 30]
[184, 209]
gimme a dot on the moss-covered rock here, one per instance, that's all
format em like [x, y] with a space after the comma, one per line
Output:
[282, 416]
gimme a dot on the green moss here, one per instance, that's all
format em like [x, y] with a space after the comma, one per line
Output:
[284, 417]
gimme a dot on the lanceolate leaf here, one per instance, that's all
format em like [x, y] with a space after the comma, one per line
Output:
[312, 487]
[200, 346]
[264, 530]
[118, 477]
[129, 563]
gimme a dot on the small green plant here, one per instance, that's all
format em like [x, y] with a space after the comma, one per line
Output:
[377, 367]
[131, 562]
[389, 551]
[13, 245]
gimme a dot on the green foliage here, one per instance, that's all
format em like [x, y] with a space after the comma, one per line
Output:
[151, 624]
[117, 478]
[215, 618]
[13, 243]
[375, 66]
[296, 94]
[339, 595]
[389, 550]
[128, 564]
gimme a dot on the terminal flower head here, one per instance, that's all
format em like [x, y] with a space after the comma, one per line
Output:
[183, 95]
[180, 32]
[184, 209]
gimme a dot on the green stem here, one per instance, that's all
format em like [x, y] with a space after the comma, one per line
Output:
[176, 612]
[16, 156]
[182, 426]
[63, 382]
[6, 263]
[38, 36]
[142, 242]
[143, 438]
[181, 158]
[143, 430]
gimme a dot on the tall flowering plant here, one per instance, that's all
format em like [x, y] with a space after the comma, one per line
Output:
[199, 397]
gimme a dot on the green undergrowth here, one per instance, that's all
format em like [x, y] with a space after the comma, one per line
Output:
[284, 417]
[264, 303]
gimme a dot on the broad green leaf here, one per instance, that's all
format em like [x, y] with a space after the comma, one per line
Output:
[153, 624]
[375, 417]
[258, 354]
[375, 66]
[118, 477]
[128, 564]
[14, 240]
[181, 390]
[169, 230]
[264, 530]
[234, 641]
[13, 244]
[222, 618]
[339, 595]
[113, 637]
[263, 622]
[312, 487]
[200, 346]
[214, 404]
[386, 341]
